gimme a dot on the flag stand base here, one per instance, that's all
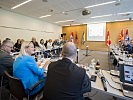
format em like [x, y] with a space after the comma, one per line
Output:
[87, 53]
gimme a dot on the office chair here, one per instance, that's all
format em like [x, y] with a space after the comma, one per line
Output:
[1, 82]
[17, 89]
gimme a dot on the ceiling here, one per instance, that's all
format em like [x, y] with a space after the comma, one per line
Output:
[62, 10]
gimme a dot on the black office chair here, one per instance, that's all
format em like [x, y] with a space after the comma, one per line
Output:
[17, 89]
[3, 82]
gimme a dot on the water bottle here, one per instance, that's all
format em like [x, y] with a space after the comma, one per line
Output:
[35, 57]
[42, 55]
[97, 68]
[39, 56]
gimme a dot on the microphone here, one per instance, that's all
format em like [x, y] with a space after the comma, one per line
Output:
[104, 83]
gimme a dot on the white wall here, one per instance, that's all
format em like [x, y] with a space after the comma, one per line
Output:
[16, 26]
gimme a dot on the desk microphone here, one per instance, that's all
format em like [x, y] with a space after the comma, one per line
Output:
[104, 83]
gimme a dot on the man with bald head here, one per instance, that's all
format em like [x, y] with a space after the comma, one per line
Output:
[65, 80]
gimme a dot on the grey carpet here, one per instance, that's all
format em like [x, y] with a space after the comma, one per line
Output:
[97, 55]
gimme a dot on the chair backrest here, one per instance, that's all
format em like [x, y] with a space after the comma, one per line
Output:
[16, 87]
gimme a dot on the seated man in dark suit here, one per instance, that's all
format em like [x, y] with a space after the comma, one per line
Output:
[6, 63]
[6, 60]
[65, 80]
[130, 47]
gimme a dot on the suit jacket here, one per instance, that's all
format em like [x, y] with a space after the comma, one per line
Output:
[66, 81]
[130, 48]
[35, 44]
[6, 63]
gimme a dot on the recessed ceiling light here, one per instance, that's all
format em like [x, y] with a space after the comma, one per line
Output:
[121, 20]
[124, 13]
[21, 4]
[64, 21]
[45, 16]
[102, 16]
[100, 4]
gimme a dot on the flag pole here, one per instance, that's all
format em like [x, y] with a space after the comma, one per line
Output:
[108, 42]
[109, 56]
[87, 49]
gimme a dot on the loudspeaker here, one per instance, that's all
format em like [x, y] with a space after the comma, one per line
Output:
[61, 35]
[86, 12]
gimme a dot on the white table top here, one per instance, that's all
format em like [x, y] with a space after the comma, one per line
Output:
[111, 91]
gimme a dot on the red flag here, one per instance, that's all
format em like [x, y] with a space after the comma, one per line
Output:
[121, 36]
[127, 32]
[76, 38]
[108, 41]
[72, 37]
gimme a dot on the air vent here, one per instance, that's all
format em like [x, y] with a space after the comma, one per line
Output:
[45, 0]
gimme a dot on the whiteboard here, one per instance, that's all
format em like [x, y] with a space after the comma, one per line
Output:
[96, 32]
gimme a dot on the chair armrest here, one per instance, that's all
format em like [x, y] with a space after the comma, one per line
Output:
[34, 86]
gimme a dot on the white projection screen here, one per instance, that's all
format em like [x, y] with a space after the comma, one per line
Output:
[96, 32]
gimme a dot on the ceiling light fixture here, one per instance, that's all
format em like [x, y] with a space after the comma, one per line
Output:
[45, 16]
[100, 4]
[124, 13]
[98, 22]
[122, 20]
[102, 16]
[64, 21]
[21, 4]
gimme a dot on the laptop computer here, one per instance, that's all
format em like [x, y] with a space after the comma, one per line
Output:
[126, 77]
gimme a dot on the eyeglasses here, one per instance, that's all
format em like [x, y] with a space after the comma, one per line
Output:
[9, 46]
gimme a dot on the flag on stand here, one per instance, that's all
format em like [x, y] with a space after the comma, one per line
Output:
[121, 36]
[76, 38]
[127, 39]
[72, 37]
[83, 38]
[108, 41]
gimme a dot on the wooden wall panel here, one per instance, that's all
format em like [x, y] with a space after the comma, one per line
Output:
[113, 27]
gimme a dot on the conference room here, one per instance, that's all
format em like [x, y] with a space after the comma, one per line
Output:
[101, 30]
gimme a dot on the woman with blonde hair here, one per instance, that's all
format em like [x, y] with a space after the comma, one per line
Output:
[26, 68]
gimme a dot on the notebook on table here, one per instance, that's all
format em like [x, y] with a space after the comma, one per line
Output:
[126, 77]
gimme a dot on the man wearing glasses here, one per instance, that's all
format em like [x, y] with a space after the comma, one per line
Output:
[6, 60]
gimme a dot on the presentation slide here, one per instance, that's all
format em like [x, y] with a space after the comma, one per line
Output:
[96, 32]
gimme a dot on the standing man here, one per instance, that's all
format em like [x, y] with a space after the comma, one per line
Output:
[65, 80]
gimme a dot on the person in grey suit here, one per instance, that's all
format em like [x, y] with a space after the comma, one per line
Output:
[6, 60]
[65, 80]
[6, 63]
